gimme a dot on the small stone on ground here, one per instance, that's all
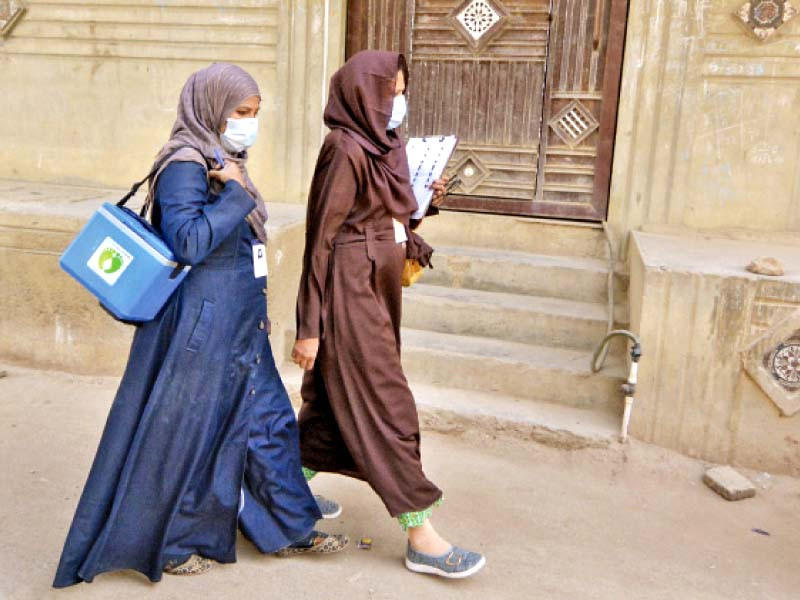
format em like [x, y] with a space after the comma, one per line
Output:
[766, 265]
[729, 483]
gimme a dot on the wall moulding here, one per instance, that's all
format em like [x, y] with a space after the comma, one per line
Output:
[240, 32]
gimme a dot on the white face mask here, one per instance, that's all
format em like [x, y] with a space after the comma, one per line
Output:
[399, 109]
[240, 134]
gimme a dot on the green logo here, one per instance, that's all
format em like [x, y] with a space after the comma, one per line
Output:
[109, 261]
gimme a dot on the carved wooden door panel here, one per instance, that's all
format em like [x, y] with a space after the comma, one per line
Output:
[529, 86]
[478, 70]
[580, 107]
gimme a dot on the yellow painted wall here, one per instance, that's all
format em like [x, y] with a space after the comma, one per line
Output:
[89, 89]
[708, 132]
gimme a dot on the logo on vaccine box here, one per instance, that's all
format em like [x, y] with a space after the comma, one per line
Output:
[109, 261]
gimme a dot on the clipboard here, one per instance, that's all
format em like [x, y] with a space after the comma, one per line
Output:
[427, 158]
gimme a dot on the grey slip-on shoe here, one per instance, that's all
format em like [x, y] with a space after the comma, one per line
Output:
[328, 508]
[454, 564]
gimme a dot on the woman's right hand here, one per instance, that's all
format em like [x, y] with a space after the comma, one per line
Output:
[231, 170]
[304, 353]
[439, 188]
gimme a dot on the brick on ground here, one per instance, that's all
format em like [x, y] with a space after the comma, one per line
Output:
[729, 483]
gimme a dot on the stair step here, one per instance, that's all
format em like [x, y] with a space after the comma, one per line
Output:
[450, 410]
[515, 317]
[557, 375]
[539, 236]
[575, 278]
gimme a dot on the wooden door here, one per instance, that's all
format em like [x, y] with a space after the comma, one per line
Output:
[529, 86]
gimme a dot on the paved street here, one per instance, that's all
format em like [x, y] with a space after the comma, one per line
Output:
[629, 522]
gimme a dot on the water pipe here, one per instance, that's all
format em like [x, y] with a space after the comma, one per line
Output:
[629, 387]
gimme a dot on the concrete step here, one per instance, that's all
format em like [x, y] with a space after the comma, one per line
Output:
[452, 410]
[574, 278]
[558, 375]
[538, 236]
[514, 317]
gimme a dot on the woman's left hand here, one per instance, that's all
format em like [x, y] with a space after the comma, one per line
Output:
[439, 188]
[231, 170]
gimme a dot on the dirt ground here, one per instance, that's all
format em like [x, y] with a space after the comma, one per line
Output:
[631, 522]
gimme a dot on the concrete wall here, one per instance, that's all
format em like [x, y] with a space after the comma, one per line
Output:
[705, 179]
[89, 94]
[47, 319]
[90, 88]
[698, 313]
[708, 131]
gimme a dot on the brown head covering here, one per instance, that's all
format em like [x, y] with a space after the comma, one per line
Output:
[360, 103]
[207, 100]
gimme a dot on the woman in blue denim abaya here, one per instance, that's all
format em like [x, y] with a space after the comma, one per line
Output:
[201, 422]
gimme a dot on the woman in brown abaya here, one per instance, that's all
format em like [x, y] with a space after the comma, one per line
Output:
[358, 416]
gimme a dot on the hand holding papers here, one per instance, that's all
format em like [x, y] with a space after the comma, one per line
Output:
[427, 158]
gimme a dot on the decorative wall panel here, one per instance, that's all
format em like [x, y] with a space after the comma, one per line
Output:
[773, 361]
[764, 17]
[479, 21]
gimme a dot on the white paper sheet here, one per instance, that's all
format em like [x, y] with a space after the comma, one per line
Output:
[427, 158]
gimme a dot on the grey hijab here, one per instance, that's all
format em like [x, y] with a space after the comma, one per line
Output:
[207, 100]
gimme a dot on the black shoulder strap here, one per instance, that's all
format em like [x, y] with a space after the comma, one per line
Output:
[135, 187]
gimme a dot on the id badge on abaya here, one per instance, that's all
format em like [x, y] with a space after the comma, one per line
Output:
[259, 260]
[399, 232]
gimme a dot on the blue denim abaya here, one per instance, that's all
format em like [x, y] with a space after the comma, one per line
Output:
[201, 414]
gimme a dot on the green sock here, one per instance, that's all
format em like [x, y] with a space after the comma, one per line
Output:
[309, 473]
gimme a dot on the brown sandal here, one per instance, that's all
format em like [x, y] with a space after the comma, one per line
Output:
[194, 566]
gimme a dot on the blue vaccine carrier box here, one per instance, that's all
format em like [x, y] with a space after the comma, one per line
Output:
[122, 260]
